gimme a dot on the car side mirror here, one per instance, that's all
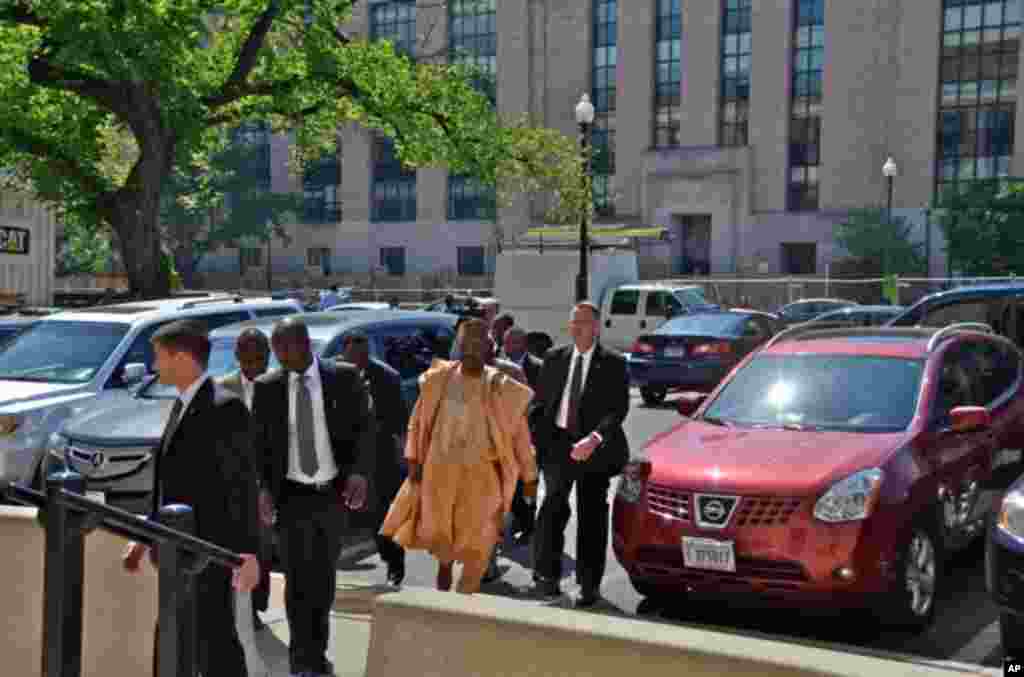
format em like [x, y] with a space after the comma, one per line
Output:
[689, 403]
[969, 419]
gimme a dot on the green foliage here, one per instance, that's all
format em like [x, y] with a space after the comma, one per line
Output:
[84, 250]
[870, 237]
[982, 221]
[103, 101]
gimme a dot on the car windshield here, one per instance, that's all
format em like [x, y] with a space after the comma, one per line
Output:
[222, 363]
[703, 324]
[690, 297]
[859, 393]
[60, 351]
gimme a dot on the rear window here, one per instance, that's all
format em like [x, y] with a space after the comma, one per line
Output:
[274, 312]
[858, 393]
[691, 297]
[709, 324]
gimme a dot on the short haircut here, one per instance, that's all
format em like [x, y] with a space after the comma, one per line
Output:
[592, 307]
[185, 336]
[252, 337]
[515, 331]
[506, 317]
[290, 329]
[473, 322]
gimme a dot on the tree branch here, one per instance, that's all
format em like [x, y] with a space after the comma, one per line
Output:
[110, 94]
[234, 86]
[21, 14]
[56, 156]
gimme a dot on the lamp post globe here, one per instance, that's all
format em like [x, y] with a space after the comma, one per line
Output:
[889, 172]
[584, 110]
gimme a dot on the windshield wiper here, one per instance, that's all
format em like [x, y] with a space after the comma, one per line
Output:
[714, 420]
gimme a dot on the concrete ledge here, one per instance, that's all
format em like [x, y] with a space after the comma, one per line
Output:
[119, 610]
[424, 632]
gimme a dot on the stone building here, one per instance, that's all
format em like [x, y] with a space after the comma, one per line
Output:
[746, 128]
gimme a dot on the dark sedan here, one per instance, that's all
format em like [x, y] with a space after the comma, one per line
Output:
[696, 351]
[808, 309]
[861, 316]
[1004, 554]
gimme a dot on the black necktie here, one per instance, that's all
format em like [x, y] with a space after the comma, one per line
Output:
[172, 423]
[575, 391]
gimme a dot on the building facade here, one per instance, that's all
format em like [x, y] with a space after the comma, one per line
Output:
[745, 128]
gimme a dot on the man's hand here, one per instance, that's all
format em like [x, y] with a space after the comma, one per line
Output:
[354, 494]
[583, 449]
[246, 577]
[132, 557]
[415, 472]
[266, 508]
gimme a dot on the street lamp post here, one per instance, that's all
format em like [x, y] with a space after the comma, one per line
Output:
[584, 118]
[889, 171]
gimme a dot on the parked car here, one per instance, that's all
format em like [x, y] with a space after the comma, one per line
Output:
[112, 441]
[808, 309]
[630, 310]
[836, 467]
[1004, 561]
[13, 325]
[861, 316]
[999, 306]
[460, 305]
[696, 351]
[50, 371]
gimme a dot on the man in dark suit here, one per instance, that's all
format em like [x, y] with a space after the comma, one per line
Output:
[252, 352]
[392, 418]
[204, 462]
[523, 509]
[314, 432]
[582, 402]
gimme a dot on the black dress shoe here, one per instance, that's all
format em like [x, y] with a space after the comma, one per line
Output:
[588, 597]
[396, 574]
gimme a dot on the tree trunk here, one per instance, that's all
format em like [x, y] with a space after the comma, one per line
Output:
[185, 262]
[135, 217]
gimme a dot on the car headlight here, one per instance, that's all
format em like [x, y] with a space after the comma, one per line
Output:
[10, 423]
[633, 480]
[851, 498]
[57, 446]
[1011, 514]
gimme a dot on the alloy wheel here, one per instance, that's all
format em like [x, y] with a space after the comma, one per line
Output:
[920, 573]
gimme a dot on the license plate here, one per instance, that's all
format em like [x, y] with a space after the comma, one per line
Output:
[1006, 457]
[707, 553]
[99, 496]
[675, 352]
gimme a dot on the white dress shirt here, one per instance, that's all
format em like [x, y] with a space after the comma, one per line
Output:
[189, 394]
[248, 390]
[327, 469]
[563, 411]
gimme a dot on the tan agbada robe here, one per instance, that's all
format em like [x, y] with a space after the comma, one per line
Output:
[471, 436]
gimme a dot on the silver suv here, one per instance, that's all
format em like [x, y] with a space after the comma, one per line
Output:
[52, 369]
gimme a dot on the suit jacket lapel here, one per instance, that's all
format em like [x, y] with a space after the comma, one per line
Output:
[202, 398]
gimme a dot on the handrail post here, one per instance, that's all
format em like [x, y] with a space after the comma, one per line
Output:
[176, 638]
[63, 576]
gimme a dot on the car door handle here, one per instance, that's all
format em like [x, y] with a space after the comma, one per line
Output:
[643, 324]
[607, 323]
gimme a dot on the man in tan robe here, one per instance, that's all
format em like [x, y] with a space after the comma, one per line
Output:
[467, 447]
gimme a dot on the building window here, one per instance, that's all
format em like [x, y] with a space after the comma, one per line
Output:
[806, 105]
[393, 196]
[603, 90]
[473, 40]
[799, 258]
[250, 156]
[978, 79]
[320, 190]
[315, 256]
[392, 259]
[395, 21]
[469, 200]
[668, 31]
[252, 257]
[471, 261]
[734, 106]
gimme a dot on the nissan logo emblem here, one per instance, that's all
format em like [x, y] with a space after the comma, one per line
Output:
[714, 511]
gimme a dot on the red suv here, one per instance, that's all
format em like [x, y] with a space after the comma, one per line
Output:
[835, 467]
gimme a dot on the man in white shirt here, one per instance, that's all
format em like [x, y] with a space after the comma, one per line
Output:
[252, 351]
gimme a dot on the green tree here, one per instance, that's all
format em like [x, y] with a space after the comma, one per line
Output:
[879, 244]
[83, 251]
[982, 221]
[101, 100]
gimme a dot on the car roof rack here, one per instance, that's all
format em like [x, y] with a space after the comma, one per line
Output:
[233, 298]
[806, 327]
[948, 331]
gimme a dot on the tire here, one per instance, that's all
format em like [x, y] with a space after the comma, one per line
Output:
[653, 395]
[1011, 635]
[911, 604]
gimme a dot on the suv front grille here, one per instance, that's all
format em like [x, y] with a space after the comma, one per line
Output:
[759, 511]
[668, 502]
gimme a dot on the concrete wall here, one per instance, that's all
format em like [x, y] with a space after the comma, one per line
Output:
[119, 609]
[457, 635]
[31, 274]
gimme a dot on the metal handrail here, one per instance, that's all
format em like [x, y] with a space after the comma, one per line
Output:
[128, 525]
[945, 332]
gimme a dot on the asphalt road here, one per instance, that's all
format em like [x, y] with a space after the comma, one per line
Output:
[965, 631]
